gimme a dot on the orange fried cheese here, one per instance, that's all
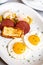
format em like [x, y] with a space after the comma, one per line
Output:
[10, 32]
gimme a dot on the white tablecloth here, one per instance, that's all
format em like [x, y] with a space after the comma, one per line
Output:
[41, 13]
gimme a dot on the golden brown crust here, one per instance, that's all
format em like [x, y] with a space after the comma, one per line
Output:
[19, 33]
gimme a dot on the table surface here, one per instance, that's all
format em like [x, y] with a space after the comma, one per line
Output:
[41, 13]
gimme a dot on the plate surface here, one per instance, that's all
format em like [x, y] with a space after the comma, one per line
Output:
[35, 57]
[35, 4]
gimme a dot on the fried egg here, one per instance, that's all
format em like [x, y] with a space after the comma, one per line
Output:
[33, 39]
[18, 49]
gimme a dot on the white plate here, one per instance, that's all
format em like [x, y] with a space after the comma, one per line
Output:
[35, 57]
[3, 1]
[35, 4]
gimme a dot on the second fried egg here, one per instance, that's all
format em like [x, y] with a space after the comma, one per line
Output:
[18, 49]
[33, 39]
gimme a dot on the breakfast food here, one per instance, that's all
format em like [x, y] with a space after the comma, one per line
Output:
[24, 26]
[33, 39]
[1, 18]
[0, 26]
[13, 26]
[10, 32]
[18, 49]
[28, 20]
[7, 22]
[20, 34]
[9, 15]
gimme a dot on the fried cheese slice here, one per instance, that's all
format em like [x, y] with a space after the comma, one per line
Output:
[10, 32]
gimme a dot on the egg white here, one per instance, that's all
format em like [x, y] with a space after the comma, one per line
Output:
[24, 55]
[33, 47]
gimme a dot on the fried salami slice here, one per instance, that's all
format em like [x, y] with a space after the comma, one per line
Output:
[24, 26]
[8, 23]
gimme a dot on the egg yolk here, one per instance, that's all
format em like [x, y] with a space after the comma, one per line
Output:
[19, 47]
[34, 39]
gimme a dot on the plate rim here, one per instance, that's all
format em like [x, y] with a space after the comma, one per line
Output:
[31, 6]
